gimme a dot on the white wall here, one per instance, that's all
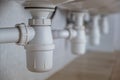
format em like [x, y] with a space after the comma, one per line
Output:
[117, 33]
[13, 57]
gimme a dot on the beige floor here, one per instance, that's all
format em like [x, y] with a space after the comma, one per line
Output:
[91, 66]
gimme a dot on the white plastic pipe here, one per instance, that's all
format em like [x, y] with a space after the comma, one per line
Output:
[105, 25]
[60, 34]
[9, 35]
[66, 33]
[87, 16]
[79, 19]
[20, 35]
[78, 44]
[95, 31]
[39, 51]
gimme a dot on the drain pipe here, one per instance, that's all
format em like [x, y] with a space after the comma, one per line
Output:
[64, 34]
[104, 25]
[38, 39]
[95, 30]
[9, 35]
[78, 43]
[40, 50]
[76, 35]
[21, 34]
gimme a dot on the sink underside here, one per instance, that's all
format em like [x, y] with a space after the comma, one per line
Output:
[95, 6]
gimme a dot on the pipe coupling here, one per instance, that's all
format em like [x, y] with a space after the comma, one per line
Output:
[40, 22]
[26, 34]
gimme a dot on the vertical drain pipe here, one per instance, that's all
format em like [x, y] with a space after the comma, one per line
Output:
[40, 50]
[104, 25]
[78, 43]
[95, 31]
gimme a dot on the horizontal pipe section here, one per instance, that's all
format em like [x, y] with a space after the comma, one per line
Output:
[9, 35]
[59, 34]
[16, 34]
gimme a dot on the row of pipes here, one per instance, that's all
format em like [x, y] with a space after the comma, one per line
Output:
[37, 38]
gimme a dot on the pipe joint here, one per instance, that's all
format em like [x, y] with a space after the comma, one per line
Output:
[40, 22]
[72, 33]
[26, 34]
